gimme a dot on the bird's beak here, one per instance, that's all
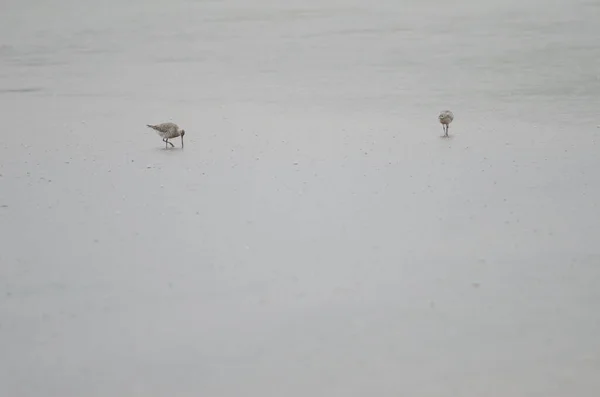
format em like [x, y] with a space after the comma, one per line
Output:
[182, 141]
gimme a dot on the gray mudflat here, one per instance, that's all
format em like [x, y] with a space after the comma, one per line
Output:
[316, 236]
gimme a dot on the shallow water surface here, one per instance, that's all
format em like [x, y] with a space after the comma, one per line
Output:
[316, 236]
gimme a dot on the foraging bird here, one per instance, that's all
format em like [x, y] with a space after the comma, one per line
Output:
[168, 131]
[446, 118]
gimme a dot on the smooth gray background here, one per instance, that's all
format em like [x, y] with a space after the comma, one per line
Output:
[316, 236]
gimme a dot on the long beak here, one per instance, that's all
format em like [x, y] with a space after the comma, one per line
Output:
[182, 141]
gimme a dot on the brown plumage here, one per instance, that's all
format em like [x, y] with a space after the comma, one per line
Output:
[446, 118]
[168, 131]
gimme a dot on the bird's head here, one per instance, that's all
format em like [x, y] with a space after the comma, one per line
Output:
[182, 132]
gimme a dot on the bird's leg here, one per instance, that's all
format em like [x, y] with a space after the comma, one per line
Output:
[447, 126]
[170, 143]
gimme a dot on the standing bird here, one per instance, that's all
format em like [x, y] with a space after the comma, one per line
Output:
[446, 118]
[168, 131]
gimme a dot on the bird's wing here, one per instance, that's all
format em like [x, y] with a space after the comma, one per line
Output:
[164, 127]
[168, 127]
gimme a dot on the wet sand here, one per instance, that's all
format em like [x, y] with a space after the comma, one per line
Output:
[316, 235]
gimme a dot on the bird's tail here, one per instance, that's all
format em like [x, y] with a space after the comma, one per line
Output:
[151, 126]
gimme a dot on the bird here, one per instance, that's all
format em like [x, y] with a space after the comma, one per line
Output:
[168, 131]
[446, 118]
